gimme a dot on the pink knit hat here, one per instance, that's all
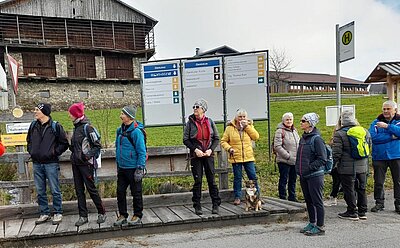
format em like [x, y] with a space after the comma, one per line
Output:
[77, 110]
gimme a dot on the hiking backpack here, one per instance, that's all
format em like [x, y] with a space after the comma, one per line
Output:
[329, 163]
[53, 127]
[359, 147]
[87, 145]
[128, 135]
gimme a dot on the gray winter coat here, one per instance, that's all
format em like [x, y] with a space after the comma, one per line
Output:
[341, 151]
[286, 149]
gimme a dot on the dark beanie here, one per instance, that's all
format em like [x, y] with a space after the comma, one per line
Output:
[130, 111]
[45, 108]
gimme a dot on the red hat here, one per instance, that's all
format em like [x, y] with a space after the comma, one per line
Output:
[2, 149]
[77, 110]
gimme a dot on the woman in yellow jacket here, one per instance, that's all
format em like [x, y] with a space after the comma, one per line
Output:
[237, 141]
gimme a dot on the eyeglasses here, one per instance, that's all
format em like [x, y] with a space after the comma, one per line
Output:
[196, 107]
[302, 121]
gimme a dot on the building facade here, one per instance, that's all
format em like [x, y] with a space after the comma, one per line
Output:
[74, 50]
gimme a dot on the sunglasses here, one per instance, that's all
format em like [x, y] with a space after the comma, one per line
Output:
[302, 121]
[196, 107]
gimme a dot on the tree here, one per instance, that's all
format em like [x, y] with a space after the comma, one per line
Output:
[279, 63]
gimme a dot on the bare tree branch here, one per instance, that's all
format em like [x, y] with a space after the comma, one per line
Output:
[279, 63]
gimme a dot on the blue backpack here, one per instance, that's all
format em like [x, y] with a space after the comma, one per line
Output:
[329, 163]
[53, 127]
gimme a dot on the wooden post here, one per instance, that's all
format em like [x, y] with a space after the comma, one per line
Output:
[390, 87]
[25, 193]
[223, 163]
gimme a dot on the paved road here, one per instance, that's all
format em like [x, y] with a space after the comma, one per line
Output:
[380, 230]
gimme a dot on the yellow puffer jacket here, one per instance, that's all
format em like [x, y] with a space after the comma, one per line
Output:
[240, 141]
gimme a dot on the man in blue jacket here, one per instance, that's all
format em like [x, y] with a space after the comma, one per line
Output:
[385, 133]
[131, 161]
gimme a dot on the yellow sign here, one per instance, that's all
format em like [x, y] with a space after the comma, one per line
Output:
[217, 84]
[14, 139]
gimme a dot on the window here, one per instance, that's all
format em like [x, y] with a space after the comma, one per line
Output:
[44, 93]
[118, 94]
[83, 93]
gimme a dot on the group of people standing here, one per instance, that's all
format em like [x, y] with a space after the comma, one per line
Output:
[47, 140]
[303, 156]
[350, 172]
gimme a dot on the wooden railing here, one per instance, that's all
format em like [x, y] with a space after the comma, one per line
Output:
[169, 161]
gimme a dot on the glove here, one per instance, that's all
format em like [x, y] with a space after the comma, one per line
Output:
[138, 175]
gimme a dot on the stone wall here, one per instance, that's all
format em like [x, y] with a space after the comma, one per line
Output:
[100, 67]
[101, 95]
[136, 66]
[61, 65]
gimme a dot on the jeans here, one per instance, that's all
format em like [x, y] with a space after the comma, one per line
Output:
[50, 172]
[125, 179]
[237, 173]
[313, 189]
[287, 172]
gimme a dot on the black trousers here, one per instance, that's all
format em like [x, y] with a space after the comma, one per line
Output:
[313, 189]
[380, 169]
[83, 176]
[335, 182]
[125, 179]
[354, 186]
[197, 165]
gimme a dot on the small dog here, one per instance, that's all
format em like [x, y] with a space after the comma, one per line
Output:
[252, 197]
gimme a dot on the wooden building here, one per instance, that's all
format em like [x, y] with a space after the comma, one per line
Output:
[389, 74]
[299, 82]
[74, 50]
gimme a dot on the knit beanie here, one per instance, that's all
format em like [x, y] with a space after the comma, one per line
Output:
[77, 110]
[129, 111]
[202, 104]
[312, 118]
[287, 115]
[45, 108]
[347, 118]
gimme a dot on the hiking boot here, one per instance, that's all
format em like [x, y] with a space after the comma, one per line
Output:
[378, 207]
[42, 219]
[307, 228]
[362, 216]
[57, 218]
[197, 210]
[349, 216]
[120, 221]
[332, 201]
[397, 208]
[101, 218]
[134, 220]
[215, 209]
[315, 231]
[236, 201]
[81, 221]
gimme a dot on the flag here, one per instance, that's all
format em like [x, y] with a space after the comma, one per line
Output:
[14, 71]
[3, 79]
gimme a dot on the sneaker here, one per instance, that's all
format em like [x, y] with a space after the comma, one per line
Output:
[81, 221]
[42, 219]
[215, 209]
[57, 218]
[197, 210]
[315, 231]
[134, 220]
[101, 218]
[349, 216]
[307, 228]
[362, 216]
[332, 201]
[236, 201]
[378, 207]
[120, 221]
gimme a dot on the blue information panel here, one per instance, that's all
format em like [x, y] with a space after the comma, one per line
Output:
[202, 78]
[162, 93]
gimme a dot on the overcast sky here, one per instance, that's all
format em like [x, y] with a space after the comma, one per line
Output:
[304, 29]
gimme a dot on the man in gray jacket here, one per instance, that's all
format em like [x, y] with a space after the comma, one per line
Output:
[352, 171]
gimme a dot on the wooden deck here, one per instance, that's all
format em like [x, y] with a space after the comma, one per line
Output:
[22, 231]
